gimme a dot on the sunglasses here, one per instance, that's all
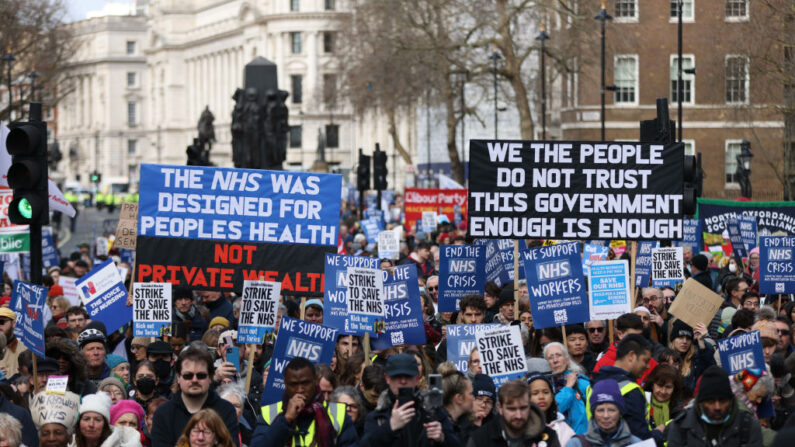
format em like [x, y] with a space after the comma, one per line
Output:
[595, 329]
[432, 288]
[783, 332]
[199, 376]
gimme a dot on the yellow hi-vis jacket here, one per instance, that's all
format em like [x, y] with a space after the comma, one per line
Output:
[625, 386]
[336, 413]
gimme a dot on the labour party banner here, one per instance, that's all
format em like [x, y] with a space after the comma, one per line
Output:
[776, 264]
[28, 300]
[459, 275]
[258, 307]
[609, 287]
[575, 190]
[643, 262]
[212, 228]
[556, 285]
[366, 300]
[443, 201]
[741, 352]
[738, 243]
[593, 253]
[404, 322]
[335, 295]
[772, 218]
[667, 267]
[151, 309]
[692, 235]
[461, 342]
[297, 338]
[103, 293]
[502, 354]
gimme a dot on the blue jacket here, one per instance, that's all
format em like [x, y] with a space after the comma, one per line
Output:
[30, 436]
[634, 404]
[221, 308]
[571, 403]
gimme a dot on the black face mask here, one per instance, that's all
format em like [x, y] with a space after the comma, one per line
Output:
[145, 385]
[162, 369]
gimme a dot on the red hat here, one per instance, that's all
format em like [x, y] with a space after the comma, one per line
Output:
[55, 290]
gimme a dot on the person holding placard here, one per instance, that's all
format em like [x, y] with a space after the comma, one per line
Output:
[696, 354]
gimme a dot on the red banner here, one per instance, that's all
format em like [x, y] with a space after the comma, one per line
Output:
[442, 201]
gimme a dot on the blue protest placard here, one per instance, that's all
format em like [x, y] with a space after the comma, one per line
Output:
[610, 290]
[366, 309]
[556, 285]
[30, 299]
[49, 252]
[151, 309]
[459, 275]
[505, 246]
[643, 262]
[741, 352]
[491, 262]
[371, 228]
[593, 253]
[691, 230]
[776, 264]
[461, 342]
[127, 255]
[738, 243]
[297, 338]
[258, 308]
[404, 321]
[105, 297]
[335, 295]
[748, 231]
[502, 354]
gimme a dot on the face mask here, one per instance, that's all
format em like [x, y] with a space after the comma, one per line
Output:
[732, 268]
[162, 368]
[711, 422]
[145, 385]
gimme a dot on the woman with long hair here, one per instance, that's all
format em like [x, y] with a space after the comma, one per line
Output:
[205, 429]
[543, 395]
[696, 355]
[664, 383]
[457, 400]
[94, 429]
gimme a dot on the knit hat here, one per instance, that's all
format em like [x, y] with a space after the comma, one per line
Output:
[5, 312]
[506, 296]
[681, 329]
[700, 262]
[538, 376]
[55, 409]
[482, 385]
[89, 336]
[714, 384]
[111, 381]
[315, 302]
[538, 365]
[749, 377]
[219, 321]
[55, 290]
[127, 406]
[97, 403]
[113, 360]
[727, 314]
[767, 329]
[606, 391]
[159, 347]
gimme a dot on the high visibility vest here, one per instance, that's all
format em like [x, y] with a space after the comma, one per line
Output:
[100, 197]
[117, 200]
[336, 413]
[625, 386]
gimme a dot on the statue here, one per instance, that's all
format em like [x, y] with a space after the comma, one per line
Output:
[206, 129]
[276, 129]
[238, 149]
[321, 145]
[743, 178]
[252, 129]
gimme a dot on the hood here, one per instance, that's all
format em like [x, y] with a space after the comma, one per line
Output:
[594, 434]
[57, 347]
[611, 372]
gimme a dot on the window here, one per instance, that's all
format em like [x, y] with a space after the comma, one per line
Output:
[626, 9]
[330, 5]
[329, 89]
[736, 9]
[295, 5]
[329, 39]
[687, 80]
[295, 136]
[332, 136]
[131, 79]
[297, 81]
[733, 148]
[130, 47]
[132, 146]
[736, 79]
[687, 10]
[132, 118]
[295, 42]
[626, 79]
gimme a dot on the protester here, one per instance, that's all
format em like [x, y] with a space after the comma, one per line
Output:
[541, 394]
[485, 393]
[127, 413]
[10, 431]
[93, 344]
[55, 417]
[697, 355]
[72, 364]
[9, 364]
[625, 325]
[458, 400]
[21, 415]
[666, 390]
[145, 382]
[571, 385]
[205, 429]
[348, 396]
[607, 427]
[751, 387]
[597, 336]
[185, 312]
[94, 428]
[113, 388]
[577, 346]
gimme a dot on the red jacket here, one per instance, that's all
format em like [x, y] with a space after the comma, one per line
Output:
[609, 359]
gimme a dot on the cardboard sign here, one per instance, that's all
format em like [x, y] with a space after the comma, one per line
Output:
[695, 304]
[28, 301]
[428, 221]
[388, 244]
[56, 384]
[258, 308]
[366, 300]
[643, 262]
[667, 267]
[461, 341]
[459, 275]
[297, 338]
[609, 289]
[593, 253]
[776, 264]
[69, 289]
[335, 295]
[404, 318]
[105, 297]
[151, 309]
[127, 229]
[502, 354]
[741, 352]
[556, 285]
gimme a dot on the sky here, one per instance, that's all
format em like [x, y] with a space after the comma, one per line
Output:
[79, 8]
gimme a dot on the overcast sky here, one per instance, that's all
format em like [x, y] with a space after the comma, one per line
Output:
[79, 8]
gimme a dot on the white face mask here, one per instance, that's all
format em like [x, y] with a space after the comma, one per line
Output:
[732, 268]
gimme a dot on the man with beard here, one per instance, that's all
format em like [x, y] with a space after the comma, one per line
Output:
[654, 300]
[194, 375]
[715, 419]
[519, 423]
[9, 365]
[300, 418]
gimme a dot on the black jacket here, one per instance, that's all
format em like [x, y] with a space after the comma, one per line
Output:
[741, 430]
[491, 433]
[634, 403]
[171, 418]
[30, 437]
[193, 321]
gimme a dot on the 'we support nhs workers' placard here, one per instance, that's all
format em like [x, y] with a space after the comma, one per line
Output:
[741, 352]
[404, 322]
[335, 295]
[297, 338]
[738, 243]
[459, 274]
[461, 342]
[29, 300]
[556, 285]
[105, 297]
[776, 264]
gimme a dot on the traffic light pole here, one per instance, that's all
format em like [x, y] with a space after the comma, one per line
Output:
[36, 263]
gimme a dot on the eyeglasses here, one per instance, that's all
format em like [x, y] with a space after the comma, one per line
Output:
[595, 329]
[198, 431]
[199, 376]
[433, 288]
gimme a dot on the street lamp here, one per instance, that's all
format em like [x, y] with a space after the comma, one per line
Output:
[33, 76]
[495, 56]
[603, 17]
[9, 59]
[543, 37]
[743, 172]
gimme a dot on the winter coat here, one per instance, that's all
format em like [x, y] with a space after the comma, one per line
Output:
[193, 321]
[171, 418]
[562, 429]
[609, 359]
[492, 434]
[119, 437]
[279, 431]
[571, 402]
[221, 308]
[688, 430]
[634, 403]
[78, 376]
[702, 359]
[30, 437]
[597, 438]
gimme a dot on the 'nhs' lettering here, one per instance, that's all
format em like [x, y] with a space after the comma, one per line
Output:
[297, 347]
[552, 270]
[780, 254]
[462, 265]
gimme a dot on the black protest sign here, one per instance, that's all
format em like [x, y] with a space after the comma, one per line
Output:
[575, 190]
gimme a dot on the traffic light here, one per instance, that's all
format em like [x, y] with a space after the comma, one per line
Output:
[363, 172]
[689, 193]
[379, 169]
[96, 177]
[27, 176]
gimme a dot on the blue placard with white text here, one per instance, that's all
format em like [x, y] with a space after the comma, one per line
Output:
[738, 243]
[371, 229]
[297, 338]
[491, 262]
[461, 341]
[741, 352]
[505, 246]
[335, 294]
[459, 274]
[404, 321]
[776, 264]
[30, 299]
[104, 296]
[748, 231]
[691, 230]
[556, 285]
[593, 253]
[643, 263]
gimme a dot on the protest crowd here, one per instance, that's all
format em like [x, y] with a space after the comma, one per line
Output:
[477, 372]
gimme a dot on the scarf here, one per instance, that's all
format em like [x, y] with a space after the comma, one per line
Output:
[186, 316]
[325, 435]
[739, 392]
[660, 411]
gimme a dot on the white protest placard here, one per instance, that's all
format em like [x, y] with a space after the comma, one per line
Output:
[260, 302]
[102, 246]
[69, 289]
[388, 244]
[667, 267]
[501, 353]
[151, 309]
[56, 384]
[366, 300]
[428, 221]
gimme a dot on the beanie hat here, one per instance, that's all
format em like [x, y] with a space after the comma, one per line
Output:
[55, 409]
[714, 384]
[220, 321]
[538, 376]
[159, 347]
[749, 377]
[55, 290]
[539, 365]
[97, 403]
[767, 329]
[127, 406]
[727, 314]
[111, 381]
[113, 360]
[482, 385]
[700, 262]
[89, 336]
[606, 391]
[681, 329]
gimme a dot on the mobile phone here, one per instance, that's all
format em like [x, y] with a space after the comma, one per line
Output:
[233, 356]
[405, 394]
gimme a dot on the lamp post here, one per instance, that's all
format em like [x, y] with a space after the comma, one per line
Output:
[33, 76]
[495, 56]
[603, 17]
[744, 168]
[9, 59]
[543, 37]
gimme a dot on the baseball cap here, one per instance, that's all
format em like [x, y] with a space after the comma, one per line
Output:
[401, 365]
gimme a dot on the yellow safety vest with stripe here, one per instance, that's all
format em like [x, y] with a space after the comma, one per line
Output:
[336, 413]
[625, 386]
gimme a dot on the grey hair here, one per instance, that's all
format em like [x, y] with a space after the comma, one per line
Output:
[237, 304]
[572, 366]
[766, 313]
[282, 309]
[765, 385]
[232, 389]
[651, 288]
[350, 391]
[11, 428]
